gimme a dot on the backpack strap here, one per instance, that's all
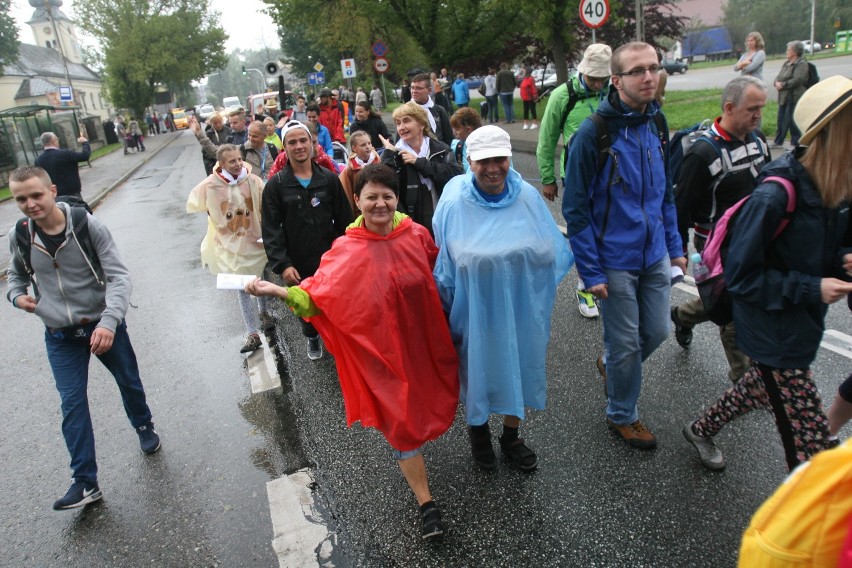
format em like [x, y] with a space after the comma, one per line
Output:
[24, 243]
[791, 201]
[573, 97]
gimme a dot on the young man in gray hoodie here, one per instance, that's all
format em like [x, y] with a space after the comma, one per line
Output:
[81, 293]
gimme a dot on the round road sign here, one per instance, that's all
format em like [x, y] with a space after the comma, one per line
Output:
[379, 49]
[594, 13]
[381, 65]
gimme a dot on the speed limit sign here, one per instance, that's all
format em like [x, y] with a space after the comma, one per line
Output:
[594, 13]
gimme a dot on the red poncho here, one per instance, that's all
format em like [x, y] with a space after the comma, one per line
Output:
[383, 322]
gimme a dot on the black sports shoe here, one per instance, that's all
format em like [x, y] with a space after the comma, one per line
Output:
[149, 441]
[430, 521]
[519, 454]
[79, 494]
[481, 448]
[683, 333]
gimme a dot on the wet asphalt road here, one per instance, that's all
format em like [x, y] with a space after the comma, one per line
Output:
[201, 501]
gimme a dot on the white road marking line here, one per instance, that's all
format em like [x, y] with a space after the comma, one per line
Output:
[262, 370]
[300, 537]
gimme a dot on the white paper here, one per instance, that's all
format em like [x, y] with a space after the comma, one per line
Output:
[233, 281]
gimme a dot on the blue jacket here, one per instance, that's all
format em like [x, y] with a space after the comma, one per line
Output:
[461, 93]
[622, 218]
[775, 284]
[324, 139]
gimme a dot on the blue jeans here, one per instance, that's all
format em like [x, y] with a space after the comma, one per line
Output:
[786, 122]
[636, 321]
[68, 352]
[493, 110]
[508, 107]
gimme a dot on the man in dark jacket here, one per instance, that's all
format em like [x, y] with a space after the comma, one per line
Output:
[304, 210]
[61, 165]
[439, 120]
[237, 121]
[718, 170]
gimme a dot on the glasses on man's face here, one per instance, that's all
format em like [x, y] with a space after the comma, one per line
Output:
[640, 71]
[415, 87]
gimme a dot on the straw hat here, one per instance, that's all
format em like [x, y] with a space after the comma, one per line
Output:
[820, 104]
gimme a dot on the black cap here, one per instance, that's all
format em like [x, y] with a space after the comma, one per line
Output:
[325, 93]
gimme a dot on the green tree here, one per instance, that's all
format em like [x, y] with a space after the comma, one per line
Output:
[8, 36]
[165, 42]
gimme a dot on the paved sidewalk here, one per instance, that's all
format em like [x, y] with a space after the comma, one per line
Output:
[106, 173]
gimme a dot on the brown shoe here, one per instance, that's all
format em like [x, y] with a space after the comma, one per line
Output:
[602, 370]
[636, 434]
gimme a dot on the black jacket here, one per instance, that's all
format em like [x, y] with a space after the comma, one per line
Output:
[414, 198]
[372, 126]
[299, 224]
[61, 166]
[443, 129]
[775, 283]
[218, 137]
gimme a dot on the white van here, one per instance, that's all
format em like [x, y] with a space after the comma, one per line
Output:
[231, 103]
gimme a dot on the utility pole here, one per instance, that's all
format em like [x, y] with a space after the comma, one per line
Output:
[640, 22]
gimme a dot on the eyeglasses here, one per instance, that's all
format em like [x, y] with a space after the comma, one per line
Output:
[640, 71]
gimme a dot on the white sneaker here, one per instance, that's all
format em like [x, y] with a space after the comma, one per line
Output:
[711, 456]
[526, 127]
[586, 304]
[534, 126]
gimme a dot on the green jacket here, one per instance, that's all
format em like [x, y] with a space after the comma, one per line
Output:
[554, 118]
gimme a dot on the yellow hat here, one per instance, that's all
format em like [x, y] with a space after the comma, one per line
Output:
[820, 104]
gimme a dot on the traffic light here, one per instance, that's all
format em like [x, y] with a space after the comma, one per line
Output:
[244, 69]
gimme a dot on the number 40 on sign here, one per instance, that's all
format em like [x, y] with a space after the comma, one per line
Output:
[594, 13]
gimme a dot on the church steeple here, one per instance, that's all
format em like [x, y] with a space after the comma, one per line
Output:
[57, 32]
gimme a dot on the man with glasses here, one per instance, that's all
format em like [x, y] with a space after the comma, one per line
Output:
[439, 120]
[620, 210]
[568, 106]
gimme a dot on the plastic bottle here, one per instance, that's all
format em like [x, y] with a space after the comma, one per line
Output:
[699, 270]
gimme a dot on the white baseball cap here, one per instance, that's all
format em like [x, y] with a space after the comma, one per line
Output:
[488, 142]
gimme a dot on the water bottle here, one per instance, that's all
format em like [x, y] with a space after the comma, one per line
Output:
[699, 270]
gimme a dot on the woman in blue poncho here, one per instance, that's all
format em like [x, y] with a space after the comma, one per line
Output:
[501, 258]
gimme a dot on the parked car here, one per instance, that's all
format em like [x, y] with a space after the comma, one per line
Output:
[205, 111]
[828, 45]
[673, 66]
[473, 83]
[231, 103]
[816, 47]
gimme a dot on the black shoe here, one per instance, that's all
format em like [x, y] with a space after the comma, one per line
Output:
[430, 521]
[519, 454]
[481, 448]
[683, 333]
[252, 343]
[80, 494]
[149, 440]
[267, 323]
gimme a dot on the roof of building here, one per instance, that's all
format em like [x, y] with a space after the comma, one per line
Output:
[35, 87]
[40, 15]
[35, 61]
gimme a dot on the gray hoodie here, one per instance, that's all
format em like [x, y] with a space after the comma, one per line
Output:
[70, 293]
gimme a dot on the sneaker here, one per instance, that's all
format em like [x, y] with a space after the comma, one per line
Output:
[267, 323]
[587, 305]
[711, 456]
[481, 448]
[149, 441]
[526, 127]
[534, 126]
[519, 454]
[683, 333]
[636, 434]
[79, 494]
[602, 370]
[314, 348]
[252, 343]
[430, 521]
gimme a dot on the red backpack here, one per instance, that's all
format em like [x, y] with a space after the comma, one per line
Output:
[710, 274]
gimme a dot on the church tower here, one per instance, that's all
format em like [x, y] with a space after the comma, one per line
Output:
[56, 32]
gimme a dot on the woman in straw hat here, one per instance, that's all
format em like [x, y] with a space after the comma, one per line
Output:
[781, 285]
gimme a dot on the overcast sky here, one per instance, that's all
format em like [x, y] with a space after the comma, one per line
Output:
[246, 27]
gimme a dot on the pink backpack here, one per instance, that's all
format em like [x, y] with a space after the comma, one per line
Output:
[710, 276]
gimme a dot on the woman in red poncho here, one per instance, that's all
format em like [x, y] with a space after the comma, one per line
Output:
[401, 377]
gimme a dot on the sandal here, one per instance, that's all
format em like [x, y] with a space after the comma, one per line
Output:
[481, 448]
[430, 522]
[519, 454]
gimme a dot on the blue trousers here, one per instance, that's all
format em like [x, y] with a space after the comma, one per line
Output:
[68, 352]
[508, 106]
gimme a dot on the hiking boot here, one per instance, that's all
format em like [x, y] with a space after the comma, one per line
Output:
[519, 454]
[80, 494]
[481, 448]
[602, 370]
[252, 343]
[683, 333]
[267, 323]
[587, 305]
[636, 434]
[149, 441]
[711, 456]
[430, 521]
[314, 348]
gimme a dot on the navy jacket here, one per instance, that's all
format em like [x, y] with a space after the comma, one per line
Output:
[61, 166]
[775, 284]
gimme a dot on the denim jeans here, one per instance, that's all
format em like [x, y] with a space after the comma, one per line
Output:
[508, 107]
[635, 318]
[786, 122]
[493, 110]
[68, 352]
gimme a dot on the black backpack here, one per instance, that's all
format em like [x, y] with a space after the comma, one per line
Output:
[813, 75]
[78, 213]
[604, 142]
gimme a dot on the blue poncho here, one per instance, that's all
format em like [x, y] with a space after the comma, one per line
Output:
[497, 272]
